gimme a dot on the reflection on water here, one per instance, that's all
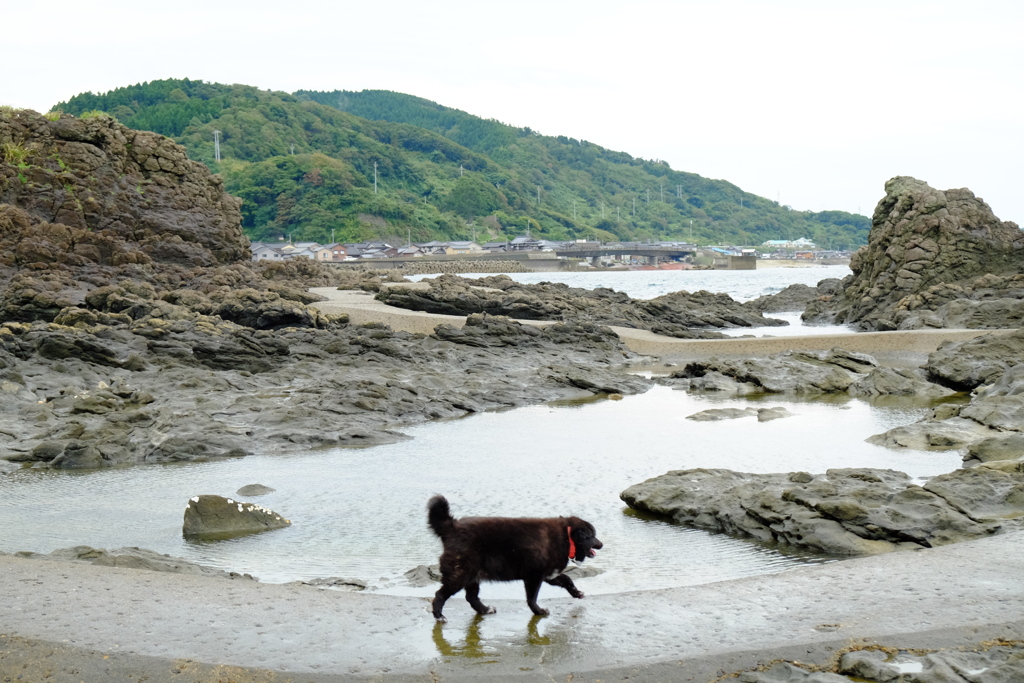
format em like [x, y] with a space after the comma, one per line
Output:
[360, 513]
[474, 645]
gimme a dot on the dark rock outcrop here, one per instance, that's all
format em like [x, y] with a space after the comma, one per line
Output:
[215, 515]
[77, 191]
[928, 251]
[797, 297]
[679, 314]
[807, 372]
[844, 511]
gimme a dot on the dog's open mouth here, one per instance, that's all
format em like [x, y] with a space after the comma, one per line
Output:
[592, 553]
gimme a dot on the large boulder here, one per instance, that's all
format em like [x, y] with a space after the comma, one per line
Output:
[218, 516]
[843, 512]
[801, 372]
[967, 365]
[922, 238]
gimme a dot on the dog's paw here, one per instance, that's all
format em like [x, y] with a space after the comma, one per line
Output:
[541, 612]
[441, 620]
[491, 610]
[579, 595]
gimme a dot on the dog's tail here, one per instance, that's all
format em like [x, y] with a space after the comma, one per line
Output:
[439, 517]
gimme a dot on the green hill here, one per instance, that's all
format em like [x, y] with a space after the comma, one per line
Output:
[304, 165]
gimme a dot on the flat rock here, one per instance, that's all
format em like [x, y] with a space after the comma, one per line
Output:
[858, 511]
[716, 414]
[254, 490]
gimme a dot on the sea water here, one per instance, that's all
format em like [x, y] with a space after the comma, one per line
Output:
[360, 513]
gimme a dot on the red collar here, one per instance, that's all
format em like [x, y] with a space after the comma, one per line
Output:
[572, 546]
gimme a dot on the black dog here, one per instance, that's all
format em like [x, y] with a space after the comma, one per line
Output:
[506, 549]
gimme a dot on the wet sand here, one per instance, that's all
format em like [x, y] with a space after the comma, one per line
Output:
[81, 622]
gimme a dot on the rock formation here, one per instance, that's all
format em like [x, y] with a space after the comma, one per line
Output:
[216, 515]
[679, 314]
[927, 251]
[843, 512]
[807, 372]
[82, 191]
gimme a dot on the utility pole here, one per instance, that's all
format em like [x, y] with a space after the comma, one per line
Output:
[574, 209]
[648, 195]
[293, 148]
[375, 177]
[216, 145]
[634, 206]
[691, 231]
[332, 235]
[618, 214]
[679, 191]
[408, 239]
[538, 195]
[460, 170]
[602, 210]
[663, 192]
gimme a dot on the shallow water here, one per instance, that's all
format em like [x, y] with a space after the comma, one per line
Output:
[360, 512]
[742, 285]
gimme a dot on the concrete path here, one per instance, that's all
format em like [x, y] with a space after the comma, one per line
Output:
[898, 348]
[112, 621]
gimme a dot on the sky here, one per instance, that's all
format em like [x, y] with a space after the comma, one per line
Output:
[811, 103]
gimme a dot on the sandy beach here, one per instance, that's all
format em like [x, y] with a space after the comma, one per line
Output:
[63, 623]
[904, 348]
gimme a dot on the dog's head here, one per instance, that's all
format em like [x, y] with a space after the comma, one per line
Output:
[585, 538]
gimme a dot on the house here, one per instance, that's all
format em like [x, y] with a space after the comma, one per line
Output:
[463, 248]
[495, 246]
[338, 251]
[411, 250]
[265, 252]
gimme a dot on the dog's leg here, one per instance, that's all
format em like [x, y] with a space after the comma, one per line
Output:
[532, 590]
[565, 582]
[473, 596]
[441, 597]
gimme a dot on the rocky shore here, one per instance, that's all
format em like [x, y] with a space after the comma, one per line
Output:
[134, 330]
[682, 315]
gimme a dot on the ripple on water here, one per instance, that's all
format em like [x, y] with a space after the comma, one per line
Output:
[360, 513]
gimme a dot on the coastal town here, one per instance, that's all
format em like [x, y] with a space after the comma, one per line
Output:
[581, 253]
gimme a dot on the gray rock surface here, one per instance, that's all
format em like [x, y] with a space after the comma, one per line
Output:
[797, 297]
[209, 515]
[843, 512]
[801, 372]
[679, 314]
[133, 558]
[965, 366]
[254, 490]
[716, 414]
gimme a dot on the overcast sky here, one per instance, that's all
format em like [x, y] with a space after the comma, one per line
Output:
[815, 104]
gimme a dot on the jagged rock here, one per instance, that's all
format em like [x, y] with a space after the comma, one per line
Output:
[254, 490]
[716, 414]
[679, 314]
[843, 512]
[796, 297]
[216, 515]
[922, 242]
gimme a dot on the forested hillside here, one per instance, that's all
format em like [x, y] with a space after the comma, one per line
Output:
[305, 165]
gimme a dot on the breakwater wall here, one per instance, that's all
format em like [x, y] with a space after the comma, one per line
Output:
[420, 267]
